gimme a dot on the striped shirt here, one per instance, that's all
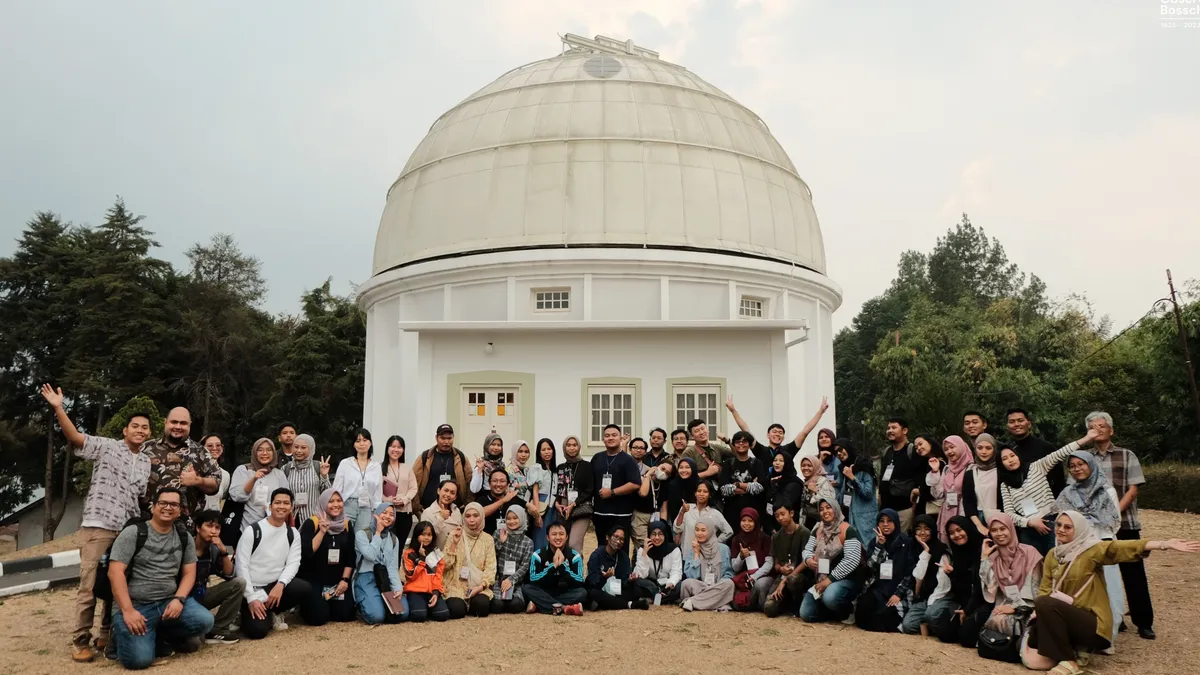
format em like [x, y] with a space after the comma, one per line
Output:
[305, 479]
[119, 478]
[852, 551]
[1125, 471]
[1036, 488]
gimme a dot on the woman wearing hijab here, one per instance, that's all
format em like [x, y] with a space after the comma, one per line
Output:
[750, 549]
[491, 459]
[890, 563]
[981, 485]
[444, 515]
[1009, 573]
[523, 478]
[1026, 491]
[556, 576]
[470, 566]
[832, 556]
[708, 574]
[1089, 492]
[545, 472]
[929, 553]
[681, 489]
[399, 485]
[690, 514]
[513, 550]
[307, 477]
[424, 568]
[327, 556]
[658, 569]
[946, 483]
[956, 616]
[783, 485]
[253, 483]
[816, 488]
[1072, 605]
[379, 549]
[573, 493]
[858, 493]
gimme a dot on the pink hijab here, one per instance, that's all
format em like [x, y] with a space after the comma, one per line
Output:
[952, 481]
[1016, 561]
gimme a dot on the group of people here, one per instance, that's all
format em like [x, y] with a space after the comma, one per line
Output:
[969, 540]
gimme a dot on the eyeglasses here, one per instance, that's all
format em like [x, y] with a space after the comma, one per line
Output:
[167, 505]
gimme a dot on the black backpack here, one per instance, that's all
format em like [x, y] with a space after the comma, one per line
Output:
[256, 530]
[102, 587]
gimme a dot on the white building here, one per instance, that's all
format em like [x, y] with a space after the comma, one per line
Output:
[599, 236]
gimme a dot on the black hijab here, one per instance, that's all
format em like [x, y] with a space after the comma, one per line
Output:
[668, 545]
[1012, 478]
[936, 550]
[964, 559]
[681, 490]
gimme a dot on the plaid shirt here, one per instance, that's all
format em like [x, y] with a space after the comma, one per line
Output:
[166, 464]
[1123, 469]
[118, 481]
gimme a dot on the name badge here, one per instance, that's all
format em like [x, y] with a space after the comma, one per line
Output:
[658, 599]
[510, 567]
[335, 555]
[1029, 508]
[823, 566]
[770, 509]
[887, 473]
[606, 482]
[885, 570]
[572, 495]
[612, 586]
[260, 493]
[499, 524]
[654, 517]
[432, 560]
[846, 499]
[752, 562]
[443, 478]
[463, 572]
[301, 499]
[363, 501]
[951, 499]
[710, 577]
[1012, 592]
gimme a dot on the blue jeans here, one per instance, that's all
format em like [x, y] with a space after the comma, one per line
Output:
[136, 652]
[370, 601]
[538, 534]
[913, 618]
[419, 609]
[835, 602]
[939, 615]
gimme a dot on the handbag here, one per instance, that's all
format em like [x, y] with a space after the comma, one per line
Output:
[231, 522]
[1002, 646]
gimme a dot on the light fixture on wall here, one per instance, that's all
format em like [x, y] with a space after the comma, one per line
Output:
[489, 348]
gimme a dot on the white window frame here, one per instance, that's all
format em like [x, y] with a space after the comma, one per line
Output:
[711, 414]
[546, 298]
[752, 307]
[598, 417]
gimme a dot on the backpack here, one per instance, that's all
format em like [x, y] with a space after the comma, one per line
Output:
[102, 587]
[256, 531]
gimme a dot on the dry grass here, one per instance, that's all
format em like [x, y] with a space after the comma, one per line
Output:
[67, 543]
[663, 640]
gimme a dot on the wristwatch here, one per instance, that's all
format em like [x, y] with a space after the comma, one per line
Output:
[182, 600]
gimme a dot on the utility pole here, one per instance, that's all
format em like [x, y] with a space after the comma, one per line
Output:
[1187, 357]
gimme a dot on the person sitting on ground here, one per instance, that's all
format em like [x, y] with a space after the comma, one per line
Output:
[444, 515]
[787, 555]
[690, 514]
[513, 550]
[958, 616]
[213, 558]
[607, 581]
[1072, 606]
[152, 568]
[470, 566]
[832, 555]
[424, 590]
[890, 562]
[378, 571]
[327, 553]
[752, 563]
[1009, 573]
[1026, 491]
[709, 574]
[556, 577]
[268, 559]
[658, 570]
[929, 552]
[254, 483]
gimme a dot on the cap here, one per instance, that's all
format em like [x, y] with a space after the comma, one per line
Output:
[444, 430]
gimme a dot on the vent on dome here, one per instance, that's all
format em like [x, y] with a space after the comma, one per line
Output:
[602, 66]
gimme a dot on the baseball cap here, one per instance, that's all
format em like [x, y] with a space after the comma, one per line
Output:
[444, 430]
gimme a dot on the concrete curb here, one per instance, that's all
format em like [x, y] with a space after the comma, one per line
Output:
[34, 586]
[63, 559]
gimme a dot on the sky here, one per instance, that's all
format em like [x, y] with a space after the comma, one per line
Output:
[1069, 130]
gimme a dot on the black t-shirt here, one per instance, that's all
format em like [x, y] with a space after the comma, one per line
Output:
[322, 568]
[623, 470]
[490, 523]
[646, 504]
[439, 463]
[749, 470]
[895, 492]
[766, 454]
[207, 566]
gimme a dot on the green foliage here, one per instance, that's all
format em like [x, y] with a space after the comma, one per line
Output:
[1171, 487]
[115, 428]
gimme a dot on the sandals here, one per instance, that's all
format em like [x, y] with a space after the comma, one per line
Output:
[1066, 668]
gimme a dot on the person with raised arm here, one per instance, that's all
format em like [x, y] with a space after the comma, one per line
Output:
[776, 433]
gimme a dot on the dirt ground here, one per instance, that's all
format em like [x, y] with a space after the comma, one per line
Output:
[662, 640]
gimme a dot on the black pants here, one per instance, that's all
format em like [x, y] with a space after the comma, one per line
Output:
[514, 605]
[872, 613]
[605, 601]
[340, 611]
[795, 586]
[400, 528]
[951, 630]
[299, 594]
[1062, 630]
[605, 524]
[1137, 589]
[479, 605]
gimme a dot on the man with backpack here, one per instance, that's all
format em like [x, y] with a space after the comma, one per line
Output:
[268, 559]
[214, 558]
[441, 463]
[151, 568]
[120, 472]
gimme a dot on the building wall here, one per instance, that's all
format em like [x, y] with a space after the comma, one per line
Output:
[29, 525]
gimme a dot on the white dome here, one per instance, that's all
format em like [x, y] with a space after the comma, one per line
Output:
[598, 148]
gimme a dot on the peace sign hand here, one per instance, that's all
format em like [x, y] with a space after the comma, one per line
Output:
[323, 523]
[879, 538]
[325, 465]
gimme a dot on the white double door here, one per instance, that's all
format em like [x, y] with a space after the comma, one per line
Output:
[489, 410]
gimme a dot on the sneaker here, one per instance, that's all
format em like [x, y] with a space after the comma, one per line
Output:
[279, 623]
[687, 605]
[221, 639]
[640, 603]
[849, 621]
[573, 610]
[81, 653]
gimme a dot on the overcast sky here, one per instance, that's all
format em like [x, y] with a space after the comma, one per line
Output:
[1070, 130]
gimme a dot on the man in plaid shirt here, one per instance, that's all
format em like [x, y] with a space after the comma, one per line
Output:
[1123, 469]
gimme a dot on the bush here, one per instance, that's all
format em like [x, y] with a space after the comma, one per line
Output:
[1171, 487]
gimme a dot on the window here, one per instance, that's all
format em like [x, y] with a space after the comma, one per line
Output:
[751, 308]
[697, 401]
[552, 300]
[609, 404]
[477, 404]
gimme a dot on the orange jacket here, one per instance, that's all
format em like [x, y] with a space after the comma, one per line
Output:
[418, 578]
